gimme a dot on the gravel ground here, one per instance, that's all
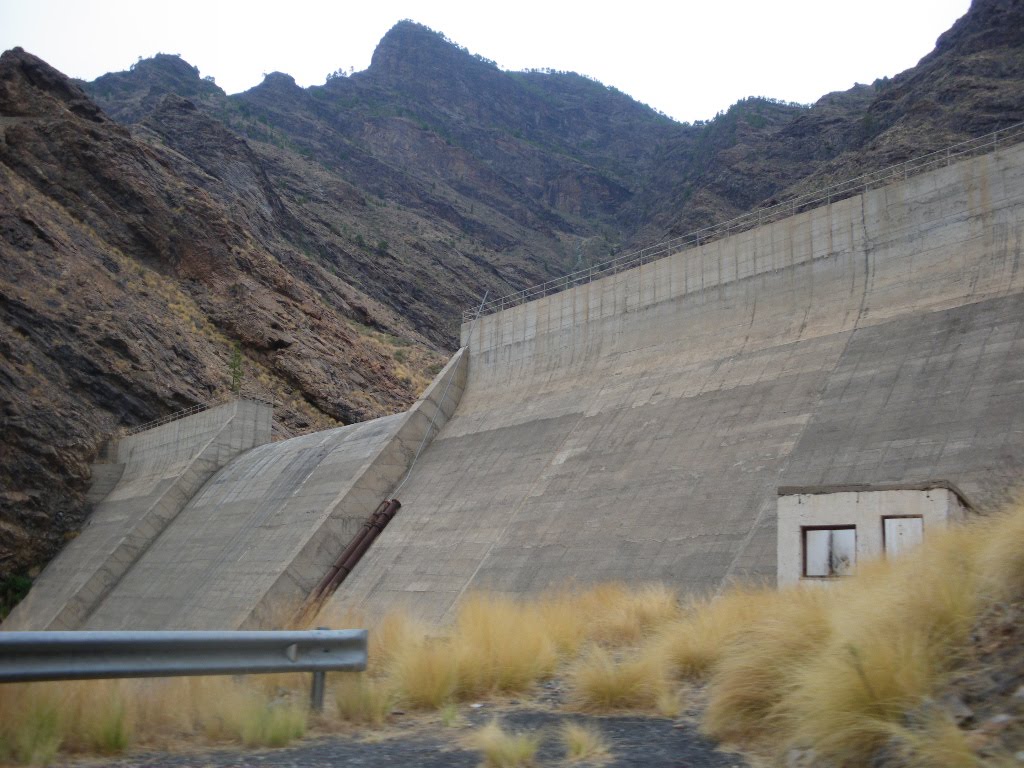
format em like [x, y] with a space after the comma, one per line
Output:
[650, 742]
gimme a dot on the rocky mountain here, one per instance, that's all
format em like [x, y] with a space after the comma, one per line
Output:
[128, 274]
[971, 84]
[150, 224]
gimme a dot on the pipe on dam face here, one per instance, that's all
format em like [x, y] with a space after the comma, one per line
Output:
[354, 551]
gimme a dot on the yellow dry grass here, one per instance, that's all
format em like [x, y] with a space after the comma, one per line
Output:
[690, 645]
[624, 616]
[501, 645]
[359, 698]
[566, 619]
[759, 663]
[501, 749]
[392, 634]
[840, 671]
[584, 743]
[599, 683]
[496, 645]
[31, 727]
[937, 743]
[1000, 554]
[107, 716]
[425, 673]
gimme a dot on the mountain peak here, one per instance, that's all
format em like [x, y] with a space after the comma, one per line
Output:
[410, 50]
[987, 25]
[167, 65]
[30, 86]
[278, 80]
[132, 94]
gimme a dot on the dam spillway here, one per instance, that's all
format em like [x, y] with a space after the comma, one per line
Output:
[635, 428]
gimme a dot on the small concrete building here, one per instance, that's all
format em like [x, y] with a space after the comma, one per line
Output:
[824, 532]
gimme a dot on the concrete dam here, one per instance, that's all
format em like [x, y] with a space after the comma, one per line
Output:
[638, 427]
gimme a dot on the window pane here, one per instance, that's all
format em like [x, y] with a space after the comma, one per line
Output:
[830, 551]
[902, 534]
[844, 552]
[819, 547]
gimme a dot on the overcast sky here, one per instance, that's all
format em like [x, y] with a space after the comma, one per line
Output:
[688, 59]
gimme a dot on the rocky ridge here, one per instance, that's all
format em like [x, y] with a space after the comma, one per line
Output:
[128, 273]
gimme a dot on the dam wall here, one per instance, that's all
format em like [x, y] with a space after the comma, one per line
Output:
[637, 427]
[247, 545]
[157, 472]
[253, 543]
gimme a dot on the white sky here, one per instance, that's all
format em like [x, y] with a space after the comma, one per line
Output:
[688, 59]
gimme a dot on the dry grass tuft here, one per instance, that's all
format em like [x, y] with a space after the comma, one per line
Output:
[1000, 556]
[668, 703]
[892, 635]
[30, 724]
[841, 670]
[565, 618]
[599, 683]
[622, 616]
[845, 700]
[501, 749]
[501, 645]
[449, 716]
[690, 645]
[759, 663]
[239, 712]
[584, 743]
[98, 713]
[938, 743]
[271, 724]
[425, 673]
[393, 634]
[360, 698]
[108, 716]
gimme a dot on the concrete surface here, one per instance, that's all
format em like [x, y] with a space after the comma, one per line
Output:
[637, 428]
[105, 477]
[255, 540]
[162, 469]
[925, 396]
[866, 511]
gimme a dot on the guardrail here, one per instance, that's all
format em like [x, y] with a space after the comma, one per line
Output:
[38, 656]
[980, 145]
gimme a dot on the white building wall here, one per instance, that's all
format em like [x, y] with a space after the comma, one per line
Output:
[867, 512]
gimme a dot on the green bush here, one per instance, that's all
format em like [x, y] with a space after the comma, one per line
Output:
[12, 590]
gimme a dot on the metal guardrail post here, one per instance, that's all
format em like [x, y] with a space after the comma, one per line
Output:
[316, 691]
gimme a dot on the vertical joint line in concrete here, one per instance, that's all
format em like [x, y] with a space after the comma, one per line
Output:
[439, 407]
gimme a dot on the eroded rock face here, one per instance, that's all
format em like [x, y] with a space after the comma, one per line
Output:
[509, 178]
[124, 283]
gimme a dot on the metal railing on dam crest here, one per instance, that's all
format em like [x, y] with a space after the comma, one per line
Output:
[756, 218]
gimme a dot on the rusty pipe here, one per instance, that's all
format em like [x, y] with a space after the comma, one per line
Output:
[377, 523]
[324, 583]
